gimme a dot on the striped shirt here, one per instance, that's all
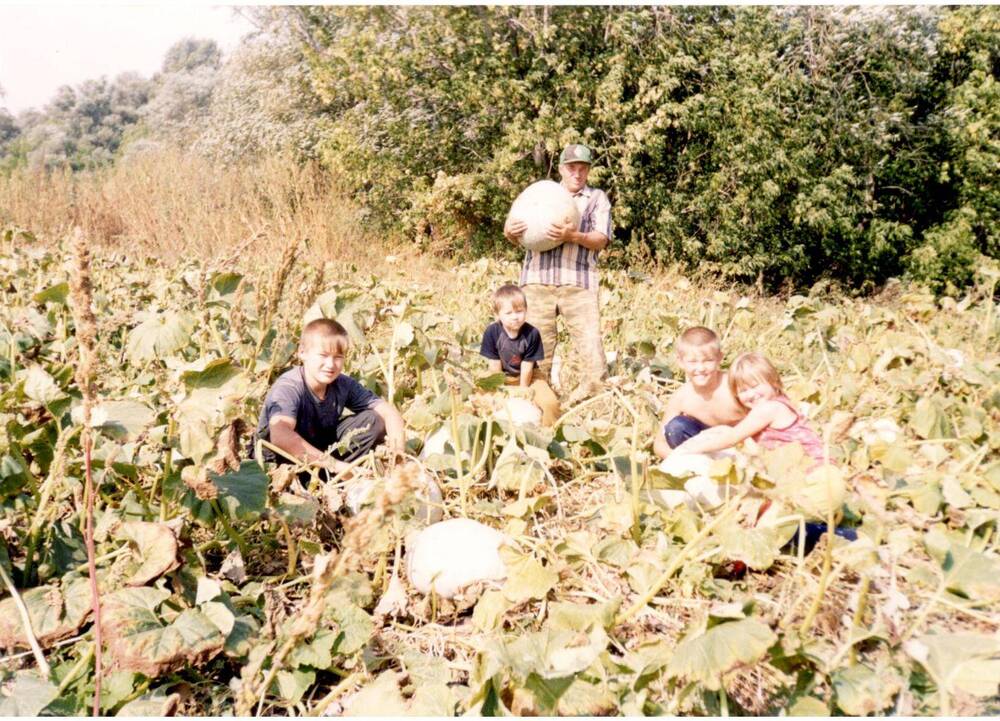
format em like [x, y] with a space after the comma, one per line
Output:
[569, 263]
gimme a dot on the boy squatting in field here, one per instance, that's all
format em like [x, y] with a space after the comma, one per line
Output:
[515, 347]
[704, 400]
[302, 411]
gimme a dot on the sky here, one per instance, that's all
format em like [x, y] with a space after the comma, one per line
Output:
[46, 45]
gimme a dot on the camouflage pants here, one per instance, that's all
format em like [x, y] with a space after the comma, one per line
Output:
[581, 313]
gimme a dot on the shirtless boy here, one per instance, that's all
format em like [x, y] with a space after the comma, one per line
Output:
[704, 400]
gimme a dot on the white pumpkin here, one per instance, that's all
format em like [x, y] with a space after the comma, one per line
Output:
[540, 205]
[436, 441]
[453, 554]
[521, 411]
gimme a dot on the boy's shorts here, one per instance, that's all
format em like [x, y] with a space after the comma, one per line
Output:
[679, 428]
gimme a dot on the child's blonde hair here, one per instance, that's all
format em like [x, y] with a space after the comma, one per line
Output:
[325, 328]
[699, 337]
[750, 369]
[509, 292]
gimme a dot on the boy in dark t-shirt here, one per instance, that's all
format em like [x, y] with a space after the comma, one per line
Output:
[301, 414]
[514, 347]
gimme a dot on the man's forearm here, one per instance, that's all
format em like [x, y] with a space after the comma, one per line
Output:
[592, 239]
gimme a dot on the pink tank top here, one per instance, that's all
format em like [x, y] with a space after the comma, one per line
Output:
[799, 432]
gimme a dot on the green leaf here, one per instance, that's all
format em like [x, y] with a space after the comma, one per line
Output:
[554, 653]
[293, 684]
[527, 579]
[154, 546]
[354, 624]
[296, 510]
[41, 387]
[53, 294]
[155, 703]
[959, 661]
[756, 547]
[27, 696]
[860, 691]
[56, 611]
[242, 493]
[489, 611]
[141, 640]
[808, 706]
[121, 420]
[382, 697]
[969, 572]
[214, 374]
[491, 382]
[115, 688]
[225, 283]
[707, 657]
[928, 420]
[158, 335]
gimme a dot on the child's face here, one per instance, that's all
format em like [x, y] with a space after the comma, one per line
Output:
[322, 360]
[756, 392]
[700, 365]
[511, 317]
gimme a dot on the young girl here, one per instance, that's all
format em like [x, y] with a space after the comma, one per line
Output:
[772, 419]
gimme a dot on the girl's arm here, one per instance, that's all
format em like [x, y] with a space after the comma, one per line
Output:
[526, 368]
[719, 437]
[494, 366]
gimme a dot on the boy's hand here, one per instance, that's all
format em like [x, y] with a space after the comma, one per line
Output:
[396, 447]
[333, 467]
[514, 229]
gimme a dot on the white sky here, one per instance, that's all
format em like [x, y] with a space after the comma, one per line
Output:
[46, 45]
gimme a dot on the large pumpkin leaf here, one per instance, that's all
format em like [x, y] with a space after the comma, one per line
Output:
[242, 493]
[41, 387]
[154, 547]
[553, 653]
[122, 420]
[56, 611]
[705, 658]
[158, 336]
[959, 661]
[860, 691]
[526, 579]
[27, 695]
[139, 639]
[756, 547]
[966, 571]
[382, 697]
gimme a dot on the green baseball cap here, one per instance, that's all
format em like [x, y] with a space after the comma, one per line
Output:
[576, 153]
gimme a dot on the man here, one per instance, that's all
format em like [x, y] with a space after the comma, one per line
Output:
[563, 281]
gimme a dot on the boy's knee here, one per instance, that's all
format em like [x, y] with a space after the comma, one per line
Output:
[680, 428]
[376, 426]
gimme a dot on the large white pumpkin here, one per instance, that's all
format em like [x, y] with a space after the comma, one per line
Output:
[540, 205]
[453, 554]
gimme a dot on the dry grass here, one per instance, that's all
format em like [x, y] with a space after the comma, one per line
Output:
[172, 206]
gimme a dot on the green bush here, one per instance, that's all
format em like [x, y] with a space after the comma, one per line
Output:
[779, 145]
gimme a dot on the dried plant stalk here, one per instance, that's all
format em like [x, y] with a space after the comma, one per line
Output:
[81, 293]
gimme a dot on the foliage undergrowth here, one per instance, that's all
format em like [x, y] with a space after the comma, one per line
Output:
[231, 587]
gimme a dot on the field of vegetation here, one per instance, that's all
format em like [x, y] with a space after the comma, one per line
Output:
[818, 184]
[228, 587]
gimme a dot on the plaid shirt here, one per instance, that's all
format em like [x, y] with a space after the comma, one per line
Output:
[572, 264]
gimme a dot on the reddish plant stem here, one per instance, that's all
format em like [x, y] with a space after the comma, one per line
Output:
[95, 596]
